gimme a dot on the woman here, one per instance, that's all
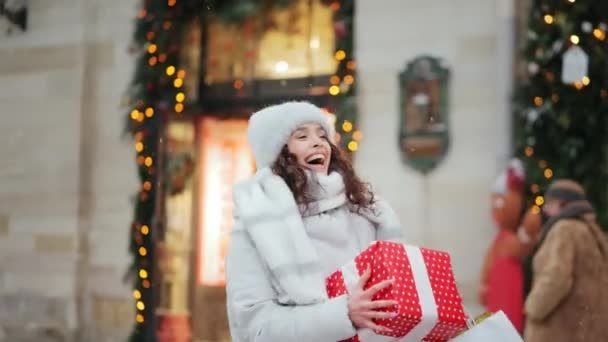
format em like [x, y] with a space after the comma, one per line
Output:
[301, 217]
[569, 296]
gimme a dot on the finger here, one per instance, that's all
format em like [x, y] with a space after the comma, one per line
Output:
[364, 277]
[371, 325]
[380, 314]
[379, 304]
[381, 285]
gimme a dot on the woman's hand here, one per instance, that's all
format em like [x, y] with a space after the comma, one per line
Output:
[361, 307]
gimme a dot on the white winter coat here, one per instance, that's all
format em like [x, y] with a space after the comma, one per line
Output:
[280, 255]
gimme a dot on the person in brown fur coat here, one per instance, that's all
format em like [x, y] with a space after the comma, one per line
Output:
[569, 297]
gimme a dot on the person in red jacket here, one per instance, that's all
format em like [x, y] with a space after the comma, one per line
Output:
[501, 285]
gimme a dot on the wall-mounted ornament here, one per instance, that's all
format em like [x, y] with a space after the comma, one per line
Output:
[424, 131]
[13, 16]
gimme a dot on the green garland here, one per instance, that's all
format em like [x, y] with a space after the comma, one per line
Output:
[561, 128]
[152, 95]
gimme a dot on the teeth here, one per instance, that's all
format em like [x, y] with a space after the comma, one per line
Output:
[316, 156]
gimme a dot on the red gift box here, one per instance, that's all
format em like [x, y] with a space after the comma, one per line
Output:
[429, 306]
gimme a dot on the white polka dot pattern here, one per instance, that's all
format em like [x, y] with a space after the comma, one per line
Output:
[389, 260]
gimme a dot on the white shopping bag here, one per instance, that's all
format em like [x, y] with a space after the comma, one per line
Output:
[496, 328]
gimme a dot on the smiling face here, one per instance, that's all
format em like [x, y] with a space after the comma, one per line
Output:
[309, 144]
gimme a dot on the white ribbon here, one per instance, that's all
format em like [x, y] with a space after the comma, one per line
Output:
[425, 295]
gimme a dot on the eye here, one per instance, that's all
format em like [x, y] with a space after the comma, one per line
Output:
[301, 137]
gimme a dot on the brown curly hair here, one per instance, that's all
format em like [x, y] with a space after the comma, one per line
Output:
[358, 193]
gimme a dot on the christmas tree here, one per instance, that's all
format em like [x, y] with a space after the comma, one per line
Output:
[561, 121]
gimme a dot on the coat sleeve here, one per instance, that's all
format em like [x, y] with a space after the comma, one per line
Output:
[553, 273]
[254, 313]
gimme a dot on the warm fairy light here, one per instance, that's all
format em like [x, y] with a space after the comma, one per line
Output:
[538, 101]
[180, 97]
[170, 70]
[149, 112]
[143, 251]
[134, 114]
[349, 79]
[145, 230]
[540, 200]
[536, 210]
[599, 34]
[179, 107]
[529, 151]
[136, 294]
[178, 82]
[181, 73]
[357, 135]
[353, 146]
[548, 18]
[334, 90]
[140, 305]
[148, 161]
[334, 79]
[152, 48]
[139, 318]
[586, 80]
[347, 126]
[139, 146]
[534, 188]
[340, 55]
[143, 274]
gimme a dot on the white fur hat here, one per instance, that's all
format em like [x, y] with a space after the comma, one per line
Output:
[270, 128]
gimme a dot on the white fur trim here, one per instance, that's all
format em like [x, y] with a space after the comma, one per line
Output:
[270, 128]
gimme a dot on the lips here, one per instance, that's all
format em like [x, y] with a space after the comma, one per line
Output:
[316, 159]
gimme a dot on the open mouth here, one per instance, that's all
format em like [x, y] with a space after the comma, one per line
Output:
[316, 159]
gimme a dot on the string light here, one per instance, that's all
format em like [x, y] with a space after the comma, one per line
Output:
[571, 1]
[599, 34]
[143, 251]
[167, 25]
[181, 73]
[152, 48]
[586, 80]
[334, 90]
[574, 39]
[148, 161]
[134, 114]
[147, 185]
[351, 65]
[139, 318]
[549, 19]
[535, 188]
[334, 79]
[578, 85]
[145, 230]
[170, 70]
[357, 135]
[162, 57]
[149, 112]
[347, 126]
[535, 210]
[139, 146]
[143, 274]
[140, 305]
[548, 173]
[180, 97]
[542, 164]
[540, 200]
[529, 151]
[349, 79]
[238, 84]
[335, 6]
[152, 61]
[179, 107]
[340, 55]
[145, 284]
[538, 101]
[171, 3]
[136, 294]
[150, 35]
[353, 146]
[178, 82]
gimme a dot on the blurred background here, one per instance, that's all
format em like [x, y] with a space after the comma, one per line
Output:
[123, 129]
